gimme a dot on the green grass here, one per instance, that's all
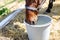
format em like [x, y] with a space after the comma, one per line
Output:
[4, 11]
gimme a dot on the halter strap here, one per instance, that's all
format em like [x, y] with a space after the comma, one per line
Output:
[36, 9]
[31, 8]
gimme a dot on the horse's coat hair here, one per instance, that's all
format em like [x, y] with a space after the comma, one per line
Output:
[31, 15]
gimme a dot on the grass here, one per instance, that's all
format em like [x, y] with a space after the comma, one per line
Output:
[3, 6]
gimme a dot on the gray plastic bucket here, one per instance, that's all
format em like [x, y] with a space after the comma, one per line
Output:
[41, 30]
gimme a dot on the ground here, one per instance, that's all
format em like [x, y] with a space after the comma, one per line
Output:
[16, 30]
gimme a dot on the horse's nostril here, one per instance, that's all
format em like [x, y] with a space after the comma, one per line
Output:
[33, 23]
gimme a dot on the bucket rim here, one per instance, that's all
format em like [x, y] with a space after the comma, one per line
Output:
[43, 25]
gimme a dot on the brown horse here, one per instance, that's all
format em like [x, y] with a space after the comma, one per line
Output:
[31, 15]
[32, 10]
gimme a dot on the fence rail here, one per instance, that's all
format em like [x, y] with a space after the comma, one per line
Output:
[4, 22]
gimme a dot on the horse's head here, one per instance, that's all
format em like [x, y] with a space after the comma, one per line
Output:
[31, 15]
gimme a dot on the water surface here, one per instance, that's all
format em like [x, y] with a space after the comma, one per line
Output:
[43, 20]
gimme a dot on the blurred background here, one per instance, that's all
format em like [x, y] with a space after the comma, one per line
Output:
[16, 29]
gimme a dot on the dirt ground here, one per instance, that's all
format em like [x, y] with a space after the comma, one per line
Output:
[16, 30]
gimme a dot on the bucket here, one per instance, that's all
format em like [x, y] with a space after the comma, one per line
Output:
[41, 30]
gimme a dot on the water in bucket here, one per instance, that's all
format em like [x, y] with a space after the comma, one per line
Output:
[43, 20]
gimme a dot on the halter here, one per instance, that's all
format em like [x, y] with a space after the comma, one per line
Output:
[36, 9]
